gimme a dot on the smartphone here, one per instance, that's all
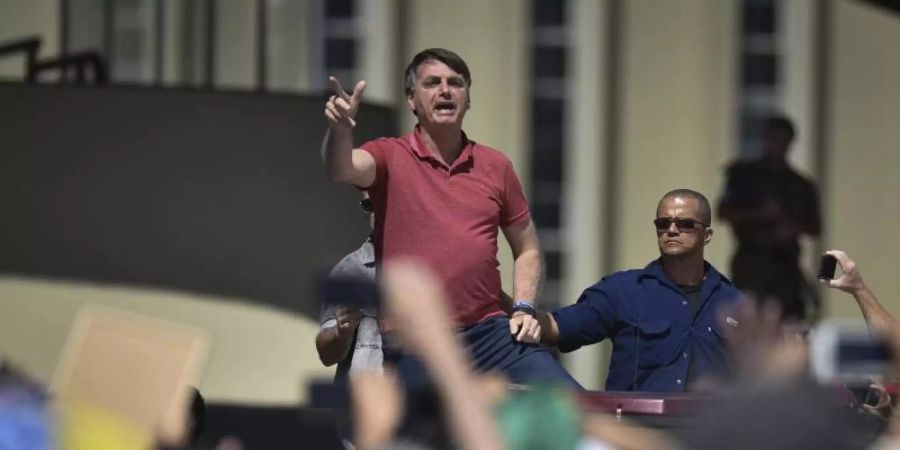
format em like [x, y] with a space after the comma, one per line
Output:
[827, 267]
[350, 292]
[845, 351]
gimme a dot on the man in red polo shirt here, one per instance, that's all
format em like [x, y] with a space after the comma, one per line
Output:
[441, 198]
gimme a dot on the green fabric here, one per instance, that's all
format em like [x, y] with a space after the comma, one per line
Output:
[543, 418]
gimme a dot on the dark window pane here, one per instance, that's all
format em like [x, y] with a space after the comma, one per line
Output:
[340, 54]
[546, 124]
[545, 215]
[549, 61]
[339, 8]
[548, 12]
[759, 70]
[759, 19]
[552, 261]
[547, 166]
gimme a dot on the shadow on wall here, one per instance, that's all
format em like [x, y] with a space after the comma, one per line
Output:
[211, 192]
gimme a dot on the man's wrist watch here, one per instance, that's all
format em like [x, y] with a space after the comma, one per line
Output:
[525, 307]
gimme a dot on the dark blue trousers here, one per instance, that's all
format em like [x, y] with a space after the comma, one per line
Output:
[493, 348]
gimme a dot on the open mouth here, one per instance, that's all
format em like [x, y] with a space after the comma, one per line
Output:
[445, 107]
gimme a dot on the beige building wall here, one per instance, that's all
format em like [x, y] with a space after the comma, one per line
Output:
[24, 18]
[491, 37]
[259, 355]
[861, 203]
[677, 115]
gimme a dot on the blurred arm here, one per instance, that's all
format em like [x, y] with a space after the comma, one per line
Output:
[851, 282]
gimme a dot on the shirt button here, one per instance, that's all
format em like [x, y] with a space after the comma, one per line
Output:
[678, 381]
[684, 302]
[684, 355]
[709, 328]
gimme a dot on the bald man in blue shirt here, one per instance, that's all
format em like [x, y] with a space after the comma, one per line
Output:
[663, 320]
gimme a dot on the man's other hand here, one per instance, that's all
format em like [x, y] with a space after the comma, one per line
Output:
[850, 280]
[347, 321]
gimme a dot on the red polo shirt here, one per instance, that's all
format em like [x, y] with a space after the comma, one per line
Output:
[447, 217]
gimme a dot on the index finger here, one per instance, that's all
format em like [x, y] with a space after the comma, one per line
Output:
[338, 88]
[513, 325]
[358, 90]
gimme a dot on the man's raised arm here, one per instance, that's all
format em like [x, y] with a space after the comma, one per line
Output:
[343, 162]
[851, 282]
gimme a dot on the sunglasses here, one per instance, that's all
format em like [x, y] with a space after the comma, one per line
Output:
[366, 205]
[683, 224]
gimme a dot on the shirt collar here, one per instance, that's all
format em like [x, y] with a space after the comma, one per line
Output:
[421, 150]
[711, 279]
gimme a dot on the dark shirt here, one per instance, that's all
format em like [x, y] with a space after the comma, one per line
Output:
[693, 295]
[654, 334]
[766, 262]
[750, 184]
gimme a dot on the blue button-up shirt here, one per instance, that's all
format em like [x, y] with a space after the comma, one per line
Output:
[654, 335]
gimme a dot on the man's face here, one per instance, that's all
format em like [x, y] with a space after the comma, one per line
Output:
[680, 237]
[776, 143]
[440, 96]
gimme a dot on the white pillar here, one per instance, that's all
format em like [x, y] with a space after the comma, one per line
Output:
[797, 72]
[290, 43]
[235, 44]
[584, 159]
[378, 62]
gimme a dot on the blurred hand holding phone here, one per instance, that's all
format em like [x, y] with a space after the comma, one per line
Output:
[843, 350]
[827, 267]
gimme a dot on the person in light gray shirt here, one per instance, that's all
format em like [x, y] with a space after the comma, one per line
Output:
[347, 337]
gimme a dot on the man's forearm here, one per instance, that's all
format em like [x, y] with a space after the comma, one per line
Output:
[877, 318]
[337, 152]
[331, 346]
[549, 329]
[527, 279]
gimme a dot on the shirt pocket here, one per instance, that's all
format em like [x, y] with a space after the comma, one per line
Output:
[653, 345]
[720, 332]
